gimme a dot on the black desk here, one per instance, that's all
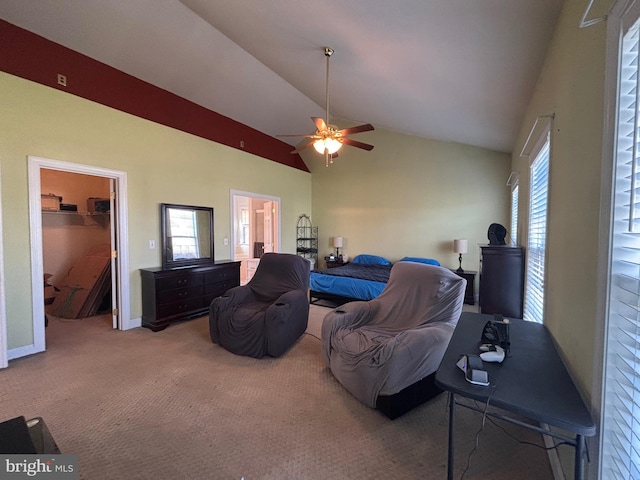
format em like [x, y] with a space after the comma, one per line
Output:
[18, 435]
[533, 382]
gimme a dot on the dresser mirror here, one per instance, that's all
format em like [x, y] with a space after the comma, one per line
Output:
[187, 235]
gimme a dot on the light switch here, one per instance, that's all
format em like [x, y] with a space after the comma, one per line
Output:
[152, 244]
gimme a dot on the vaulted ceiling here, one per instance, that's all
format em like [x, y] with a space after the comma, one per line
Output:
[453, 70]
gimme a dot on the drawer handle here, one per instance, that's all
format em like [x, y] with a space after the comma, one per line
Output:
[183, 294]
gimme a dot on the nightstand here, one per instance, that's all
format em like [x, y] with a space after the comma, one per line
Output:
[335, 263]
[470, 292]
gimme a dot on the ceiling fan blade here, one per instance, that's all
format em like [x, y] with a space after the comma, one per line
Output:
[355, 143]
[302, 146]
[320, 125]
[301, 135]
[359, 129]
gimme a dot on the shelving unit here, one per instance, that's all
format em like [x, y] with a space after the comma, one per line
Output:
[307, 239]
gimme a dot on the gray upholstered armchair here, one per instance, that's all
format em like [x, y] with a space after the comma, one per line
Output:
[268, 314]
[385, 351]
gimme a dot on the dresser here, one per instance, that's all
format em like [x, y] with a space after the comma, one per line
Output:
[177, 294]
[335, 263]
[502, 280]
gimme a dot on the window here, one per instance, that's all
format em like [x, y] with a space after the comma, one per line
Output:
[184, 233]
[244, 226]
[537, 236]
[620, 443]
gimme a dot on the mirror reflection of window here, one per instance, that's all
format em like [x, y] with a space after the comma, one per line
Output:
[183, 231]
[244, 226]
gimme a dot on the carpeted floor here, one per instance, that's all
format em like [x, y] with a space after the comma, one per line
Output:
[172, 405]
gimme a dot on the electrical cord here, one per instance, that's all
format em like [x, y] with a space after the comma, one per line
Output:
[312, 335]
[525, 442]
[509, 434]
[484, 418]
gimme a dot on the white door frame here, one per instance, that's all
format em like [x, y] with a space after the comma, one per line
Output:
[35, 164]
[232, 207]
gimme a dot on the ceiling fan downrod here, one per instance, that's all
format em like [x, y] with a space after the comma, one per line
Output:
[328, 51]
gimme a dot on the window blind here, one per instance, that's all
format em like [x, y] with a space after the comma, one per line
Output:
[621, 401]
[537, 237]
[514, 214]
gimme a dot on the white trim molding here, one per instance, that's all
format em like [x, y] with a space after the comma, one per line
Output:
[35, 164]
[240, 193]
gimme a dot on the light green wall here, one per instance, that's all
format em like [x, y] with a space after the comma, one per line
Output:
[162, 165]
[571, 85]
[409, 196]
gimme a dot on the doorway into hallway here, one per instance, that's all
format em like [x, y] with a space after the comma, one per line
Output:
[255, 230]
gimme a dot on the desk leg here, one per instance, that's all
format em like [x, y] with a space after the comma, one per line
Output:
[452, 408]
[578, 464]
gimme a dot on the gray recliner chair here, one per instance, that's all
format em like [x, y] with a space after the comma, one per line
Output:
[386, 351]
[267, 315]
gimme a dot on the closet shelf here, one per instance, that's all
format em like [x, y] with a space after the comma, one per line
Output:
[67, 218]
[70, 212]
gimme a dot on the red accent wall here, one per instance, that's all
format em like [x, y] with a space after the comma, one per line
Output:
[30, 56]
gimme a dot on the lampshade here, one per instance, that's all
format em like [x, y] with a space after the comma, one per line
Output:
[330, 144]
[460, 246]
[337, 242]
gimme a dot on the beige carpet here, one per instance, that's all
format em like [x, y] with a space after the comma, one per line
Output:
[172, 405]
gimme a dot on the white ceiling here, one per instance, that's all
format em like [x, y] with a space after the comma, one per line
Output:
[454, 70]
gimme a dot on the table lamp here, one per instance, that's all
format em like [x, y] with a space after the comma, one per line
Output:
[337, 243]
[460, 247]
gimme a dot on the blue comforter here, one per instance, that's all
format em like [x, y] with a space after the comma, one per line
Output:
[361, 282]
[374, 273]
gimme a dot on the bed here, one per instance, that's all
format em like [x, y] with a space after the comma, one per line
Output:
[363, 278]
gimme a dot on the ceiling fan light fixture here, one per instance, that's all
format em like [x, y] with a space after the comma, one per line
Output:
[330, 144]
[328, 139]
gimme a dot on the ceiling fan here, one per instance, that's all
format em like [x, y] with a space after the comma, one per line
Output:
[328, 139]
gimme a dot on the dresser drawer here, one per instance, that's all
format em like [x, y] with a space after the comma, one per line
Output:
[179, 294]
[222, 275]
[214, 290]
[179, 308]
[180, 281]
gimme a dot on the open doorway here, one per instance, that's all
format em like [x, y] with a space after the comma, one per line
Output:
[119, 257]
[76, 248]
[255, 230]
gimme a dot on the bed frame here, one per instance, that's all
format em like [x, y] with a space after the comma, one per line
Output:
[333, 298]
[396, 405]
